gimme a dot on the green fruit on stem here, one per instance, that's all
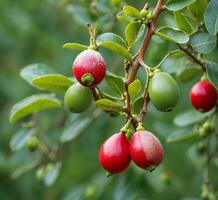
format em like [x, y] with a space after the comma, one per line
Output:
[77, 98]
[32, 143]
[144, 13]
[163, 91]
[115, 3]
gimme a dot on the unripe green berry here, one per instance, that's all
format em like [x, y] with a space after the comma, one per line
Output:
[115, 3]
[149, 16]
[208, 126]
[32, 143]
[144, 13]
[201, 132]
[40, 173]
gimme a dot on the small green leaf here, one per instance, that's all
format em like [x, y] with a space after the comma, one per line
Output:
[19, 139]
[123, 18]
[52, 82]
[174, 35]
[137, 105]
[35, 70]
[131, 32]
[75, 46]
[174, 5]
[198, 9]
[203, 42]
[189, 73]
[188, 117]
[212, 70]
[211, 17]
[51, 175]
[115, 82]
[32, 104]
[108, 105]
[182, 135]
[131, 11]
[185, 23]
[134, 89]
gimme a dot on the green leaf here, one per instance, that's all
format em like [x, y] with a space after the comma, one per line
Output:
[137, 105]
[188, 117]
[108, 105]
[131, 32]
[212, 71]
[115, 82]
[173, 35]
[134, 89]
[198, 9]
[182, 135]
[110, 37]
[19, 139]
[131, 11]
[51, 175]
[32, 104]
[185, 23]
[35, 70]
[203, 42]
[75, 46]
[211, 17]
[123, 18]
[52, 82]
[174, 5]
[189, 73]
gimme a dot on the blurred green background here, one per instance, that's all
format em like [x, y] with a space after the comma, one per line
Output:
[34, 31]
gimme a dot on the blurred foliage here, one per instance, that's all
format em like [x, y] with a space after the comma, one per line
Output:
[34, 31]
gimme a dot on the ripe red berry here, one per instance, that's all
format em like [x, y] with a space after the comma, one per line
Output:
[146, 150]
[203, 96]
[114, 154]
[89, 68]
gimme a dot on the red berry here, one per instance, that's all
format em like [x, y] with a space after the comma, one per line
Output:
[114, 154]
[89, 68]
[203, 96]
[146, 150]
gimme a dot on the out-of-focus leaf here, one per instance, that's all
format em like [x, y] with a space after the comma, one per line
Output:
[35, 70]
[19, 139]
[211, 17]
[75, 46]
[134, 89]
[116, 83]
[182, 135]
[173, 35]
[174, 5]
[185, 22]
[198, 9]
[188, 117]
[107, 105]
[212, 71]
[188, 73]
[131, 11]
[203, 42]
[52, 82]
[123, 18]
[131, 32]
[32, 104]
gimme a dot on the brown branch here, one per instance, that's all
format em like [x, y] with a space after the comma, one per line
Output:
[186, 50]
[151, 30]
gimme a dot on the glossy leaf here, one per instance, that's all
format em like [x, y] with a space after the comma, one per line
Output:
[32, 104]
[108, 105]
[116, 83]
[131, 11]
[134, 89]
[173, 35]
[131, 32]
[185, 22]
[174, 5]
[203, 42]
[75, 46]
[35, 70]
[19, 139]
[211, 17]
[212, 71]
[198, 9]
[182, 135]
[52, 82]
[188, 117]
[137, 104]
[123, 18]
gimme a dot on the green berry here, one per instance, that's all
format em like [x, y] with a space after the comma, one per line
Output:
[32, 143]
[144, 13]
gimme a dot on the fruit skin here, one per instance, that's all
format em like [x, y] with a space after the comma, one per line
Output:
[146, 150]
[32, 143]
[114, 154]
[77, 98]
[163, 91]
[92, 63]
[203, 96]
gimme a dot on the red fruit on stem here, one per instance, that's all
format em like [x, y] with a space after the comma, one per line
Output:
[89, 68]
[114, 154]
[203, 96]
[146, 150]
